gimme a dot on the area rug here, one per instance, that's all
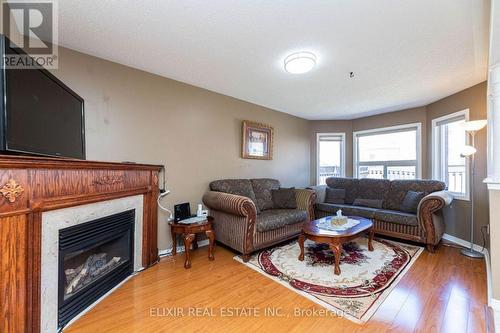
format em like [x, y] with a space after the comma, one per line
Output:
[367, 278]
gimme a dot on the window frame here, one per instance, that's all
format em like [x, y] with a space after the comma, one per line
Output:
[342, 135]
[436, 153]
[382, 130]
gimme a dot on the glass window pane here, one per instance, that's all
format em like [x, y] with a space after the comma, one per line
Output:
[329, 159]
[397, 146]
[454, 166]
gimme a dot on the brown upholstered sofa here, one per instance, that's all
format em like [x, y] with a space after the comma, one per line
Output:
[423, 222]
[245, 218]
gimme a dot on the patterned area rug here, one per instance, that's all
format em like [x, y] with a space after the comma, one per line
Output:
[367, 278]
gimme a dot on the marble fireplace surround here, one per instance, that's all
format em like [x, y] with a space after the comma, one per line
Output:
[53, 221]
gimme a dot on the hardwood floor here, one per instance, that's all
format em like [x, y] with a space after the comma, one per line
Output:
[442, 292]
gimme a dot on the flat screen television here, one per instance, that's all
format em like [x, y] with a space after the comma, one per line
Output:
[39, 114]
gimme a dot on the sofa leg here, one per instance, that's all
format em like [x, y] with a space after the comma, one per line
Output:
[431, 248]
[246, 257]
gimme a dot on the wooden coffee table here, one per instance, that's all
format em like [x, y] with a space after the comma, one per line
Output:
[335, 239]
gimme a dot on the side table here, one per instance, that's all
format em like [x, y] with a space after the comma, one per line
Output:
[188, 233]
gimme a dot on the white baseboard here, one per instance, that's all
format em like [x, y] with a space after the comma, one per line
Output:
[463, 242]
[489, 281]
[495, 305]
[168, 252]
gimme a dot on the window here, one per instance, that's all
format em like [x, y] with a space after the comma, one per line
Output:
[448, 139]
[388, 153]
[330, 156]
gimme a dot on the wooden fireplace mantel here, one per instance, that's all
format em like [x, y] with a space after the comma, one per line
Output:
[30, 186]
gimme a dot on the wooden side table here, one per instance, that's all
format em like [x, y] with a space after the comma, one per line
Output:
[188, 233]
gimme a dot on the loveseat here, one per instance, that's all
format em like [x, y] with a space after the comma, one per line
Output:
[246, 218]
[406, 209]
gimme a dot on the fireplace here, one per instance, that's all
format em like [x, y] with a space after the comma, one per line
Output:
[94, 257]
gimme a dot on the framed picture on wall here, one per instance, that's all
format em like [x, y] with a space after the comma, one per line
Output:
[257, 141]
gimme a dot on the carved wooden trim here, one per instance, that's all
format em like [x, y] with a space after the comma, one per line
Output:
[11, 190]
[69, 201]
[108, 180]
[34, 185]
[50, 163]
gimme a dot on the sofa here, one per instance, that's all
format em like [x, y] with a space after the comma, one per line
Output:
[405, 209]
[245, 216]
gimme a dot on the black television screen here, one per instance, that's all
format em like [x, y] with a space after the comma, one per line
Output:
[42, 115]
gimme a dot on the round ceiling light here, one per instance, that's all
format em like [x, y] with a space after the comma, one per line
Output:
[300, 62]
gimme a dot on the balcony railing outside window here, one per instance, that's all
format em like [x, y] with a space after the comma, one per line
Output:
[387, 172]
[328, 171]
[456, 178]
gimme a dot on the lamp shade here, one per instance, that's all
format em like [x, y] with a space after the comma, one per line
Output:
[474, 125]
[468, 151]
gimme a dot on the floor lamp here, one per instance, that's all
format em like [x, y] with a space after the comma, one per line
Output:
[471, 127]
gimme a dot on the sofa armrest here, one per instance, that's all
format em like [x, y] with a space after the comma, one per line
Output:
[229, 203]
[234, 218]
[305, 201]
[430, 217]
[320, 191]
[434, 202]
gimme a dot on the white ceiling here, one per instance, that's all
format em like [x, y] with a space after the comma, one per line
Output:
[404, 53]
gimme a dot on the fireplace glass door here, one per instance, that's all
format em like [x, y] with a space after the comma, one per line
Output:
[83, 267]
[93, 258]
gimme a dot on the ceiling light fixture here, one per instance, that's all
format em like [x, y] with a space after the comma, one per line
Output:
[300, 62]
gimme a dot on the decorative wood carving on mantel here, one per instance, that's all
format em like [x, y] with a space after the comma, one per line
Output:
[12, 190]
[109, 180]
[34, 185]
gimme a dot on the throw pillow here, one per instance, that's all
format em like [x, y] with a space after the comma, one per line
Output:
[372, 203]
[411, 201]
[284, 198]
[335, 196]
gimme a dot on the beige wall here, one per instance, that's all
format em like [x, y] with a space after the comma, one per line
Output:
[135, 116]
[474, 98]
